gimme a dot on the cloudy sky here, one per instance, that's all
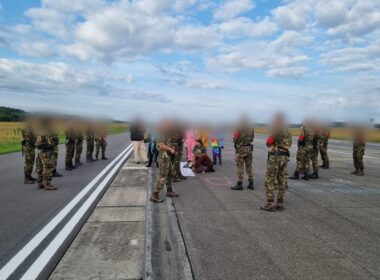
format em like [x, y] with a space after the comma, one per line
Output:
[198, 58]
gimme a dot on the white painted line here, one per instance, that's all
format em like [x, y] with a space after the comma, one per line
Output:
[40, 263]
[20, 257]
[134, 168]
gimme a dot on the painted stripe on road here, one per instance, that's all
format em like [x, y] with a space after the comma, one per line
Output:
[41, 262]
[11, 266]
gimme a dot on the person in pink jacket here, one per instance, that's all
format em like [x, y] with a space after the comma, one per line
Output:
[190, 143]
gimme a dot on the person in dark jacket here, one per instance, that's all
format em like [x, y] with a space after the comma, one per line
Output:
[138, 135]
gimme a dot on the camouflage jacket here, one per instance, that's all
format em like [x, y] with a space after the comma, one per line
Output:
[308, 135]
[70, 136]
[79, 136]
[324, 138]
[28, 137]
[243, 138]
[164, 138]
[90, 135]
[199, 149]
[45, 141]
[282, 141]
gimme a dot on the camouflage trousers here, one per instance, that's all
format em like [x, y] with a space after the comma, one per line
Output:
[276, 174]
[29, 157]
[358, 154]
[89, 149]
[324, 155]
[70, 150]
[244, 157]
[100, 145]
[314, 159]
[165, 177]
[55, 157]
[303, 158]
[177, 163]
[44, 167]
[78, 151]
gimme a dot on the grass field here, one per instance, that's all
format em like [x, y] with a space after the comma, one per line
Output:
[10, 135]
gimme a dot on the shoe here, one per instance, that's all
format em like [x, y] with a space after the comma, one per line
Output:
[268, 207]
[280, 205]
[237, 187]
[314, 176]
[296, 176]
[171, 193]
[104, 158]
[89, 160]
[155, 197]
[41, 185]
[78, 163]
[148, 165]
[306, 177]
[355, 172]
[360, 173]
[32, 178]
[182, 177]
[50, 187]
[56, 174]
[27, 180]
[68, 168]
[250, 186]
[176, 180]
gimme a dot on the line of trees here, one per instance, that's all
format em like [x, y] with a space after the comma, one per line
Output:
[11, 115]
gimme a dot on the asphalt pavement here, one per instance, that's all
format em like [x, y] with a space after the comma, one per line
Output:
[330, 228]
[25, 209]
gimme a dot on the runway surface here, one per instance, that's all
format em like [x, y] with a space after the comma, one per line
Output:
[330, 228]
[25, 209]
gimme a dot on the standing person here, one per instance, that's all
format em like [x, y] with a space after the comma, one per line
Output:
[243, 139]
[279, 143]
[55, 137]
[217, 144]
[323, 143]
[101, 141]
[45, 146]
[177, 139]
[152, 150]
[190, 143]
[165, 164]
[90, 142]
[78, 145]
[138, 141]
[359, 143]
[304, 152]
[28, 144]
[70, 147]
[315, 152]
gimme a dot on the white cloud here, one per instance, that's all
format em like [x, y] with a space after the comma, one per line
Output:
[232, 8]
[293, 16]
[332, 13]
[245, 27]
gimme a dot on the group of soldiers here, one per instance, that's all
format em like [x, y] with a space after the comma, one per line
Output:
[40, 134]
[312, 141]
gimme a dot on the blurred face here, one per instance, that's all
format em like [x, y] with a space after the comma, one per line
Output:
[278, 122]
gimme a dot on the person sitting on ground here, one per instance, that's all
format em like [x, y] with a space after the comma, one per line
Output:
[202, 162]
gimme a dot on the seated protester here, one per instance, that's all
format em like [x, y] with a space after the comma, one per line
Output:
[202, 162]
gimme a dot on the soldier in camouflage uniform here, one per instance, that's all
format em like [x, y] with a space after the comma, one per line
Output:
[243, 139]
[45, 165]
[28, 150]
[101, 142]
[323, 143]
[304, 152]
[78, 146]
[70, 147]
[358, 151]
[55, 137]
[90, 142]
[177, 144]
[315, 153]
[165, 155]
[279, 143]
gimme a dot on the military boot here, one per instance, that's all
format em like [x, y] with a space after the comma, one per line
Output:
[176, 180]
[322, 166]
[237, 187]
[32, 178]
[182, 177]
[327, 166]
[27, 180]
[50, 187]
[56, 174]
[314, 176]
[41, 185]
[104, 158]
[355, 172]
[68, 168]
[360, 173]
[268, 207]
[251, 186]
[280, 204]
[306, 177]
[155, 197]
[171, 193]
[296, 176]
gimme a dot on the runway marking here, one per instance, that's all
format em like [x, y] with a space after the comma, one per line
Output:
[40, 263]
[134, 168]
[10, 267]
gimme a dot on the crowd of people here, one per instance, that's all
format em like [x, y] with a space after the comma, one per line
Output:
[313, 140]
[40, 140]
